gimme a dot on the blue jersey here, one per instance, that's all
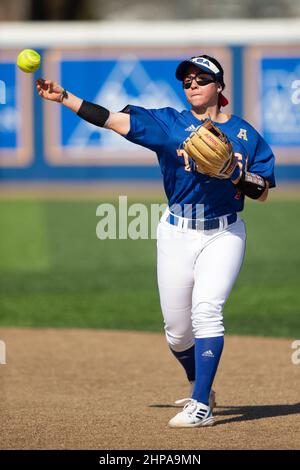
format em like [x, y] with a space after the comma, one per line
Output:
[163, 131]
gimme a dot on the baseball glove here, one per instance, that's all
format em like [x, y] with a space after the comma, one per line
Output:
[211, 151]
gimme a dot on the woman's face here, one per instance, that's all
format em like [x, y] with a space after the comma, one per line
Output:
[201, 95]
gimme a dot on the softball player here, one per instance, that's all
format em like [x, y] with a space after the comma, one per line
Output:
[201, 248]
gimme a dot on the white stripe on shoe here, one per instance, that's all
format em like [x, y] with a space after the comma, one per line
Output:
[194, 414]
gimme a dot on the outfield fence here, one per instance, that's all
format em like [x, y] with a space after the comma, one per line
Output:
[119, 63]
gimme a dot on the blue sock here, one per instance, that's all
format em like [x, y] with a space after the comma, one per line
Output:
[207, 354]
[187, 360]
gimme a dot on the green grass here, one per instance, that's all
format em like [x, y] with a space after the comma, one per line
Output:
[55, 272]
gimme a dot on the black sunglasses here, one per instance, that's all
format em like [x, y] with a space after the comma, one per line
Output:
[187, 83]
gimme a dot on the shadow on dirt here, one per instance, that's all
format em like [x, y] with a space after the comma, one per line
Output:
[246, 412]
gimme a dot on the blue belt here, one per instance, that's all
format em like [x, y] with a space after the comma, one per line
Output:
[196, 224]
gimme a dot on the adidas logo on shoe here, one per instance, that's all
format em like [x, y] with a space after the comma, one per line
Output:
[208, 353]
[193, 414]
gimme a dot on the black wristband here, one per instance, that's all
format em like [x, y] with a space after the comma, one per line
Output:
[64, 94]
[93, 113]
[251, 185]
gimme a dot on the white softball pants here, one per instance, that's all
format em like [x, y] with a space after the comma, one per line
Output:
[196, 271]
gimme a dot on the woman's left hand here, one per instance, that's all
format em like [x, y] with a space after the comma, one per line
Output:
[241, 166]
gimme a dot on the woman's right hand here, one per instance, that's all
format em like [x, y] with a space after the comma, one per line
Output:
[49, 90]
[52, 91]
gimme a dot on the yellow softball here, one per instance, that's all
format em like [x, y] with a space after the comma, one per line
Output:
[28, 60]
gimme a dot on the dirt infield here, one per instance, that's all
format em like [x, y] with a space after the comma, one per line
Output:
[89, 389]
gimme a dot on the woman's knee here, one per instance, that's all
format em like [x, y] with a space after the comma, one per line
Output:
[180, 340]
[207, 320]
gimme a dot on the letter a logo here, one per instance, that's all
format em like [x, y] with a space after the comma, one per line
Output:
[243, 134]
